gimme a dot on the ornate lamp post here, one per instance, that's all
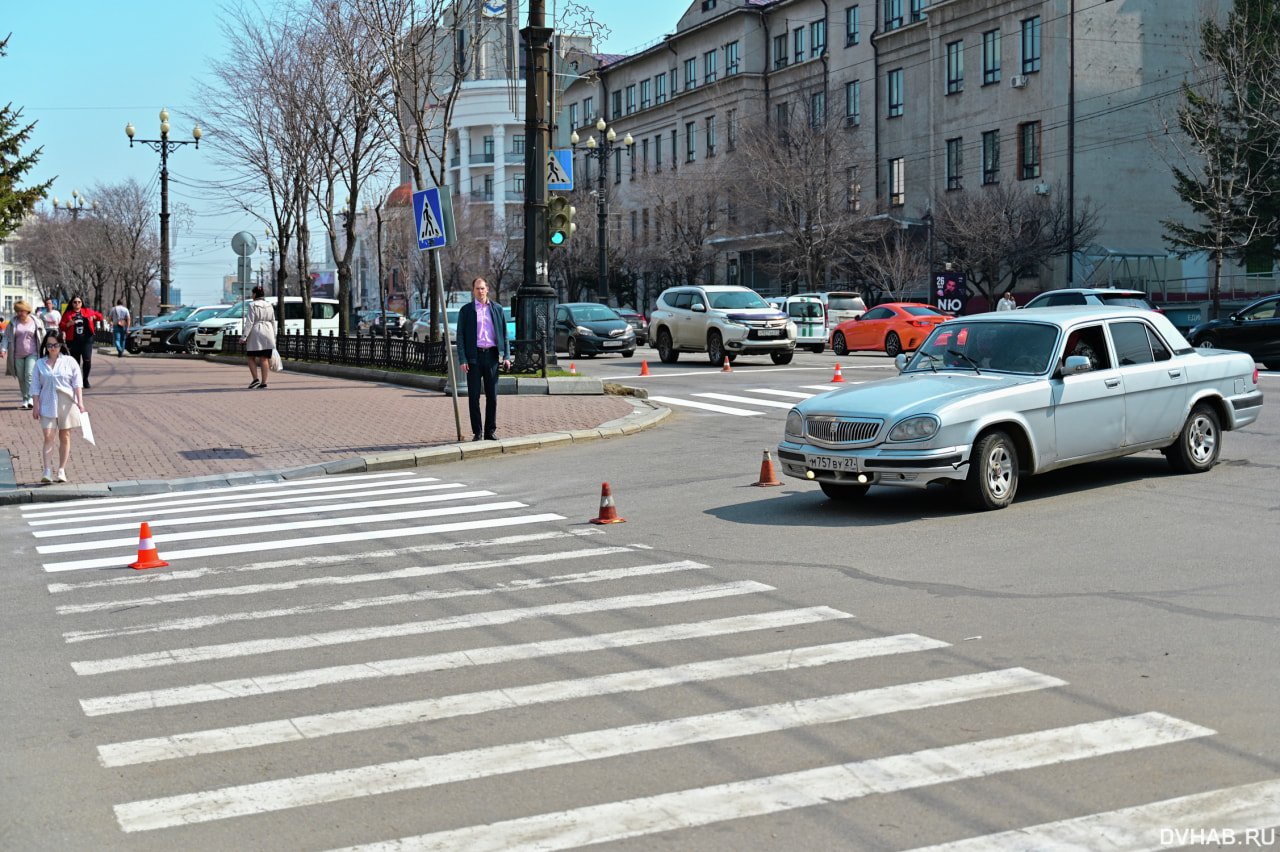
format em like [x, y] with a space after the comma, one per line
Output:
[602, 152]
[74, 205]
[164, 145]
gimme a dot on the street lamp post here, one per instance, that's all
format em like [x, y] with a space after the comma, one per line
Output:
[602, 152]
[164, 145]
[271, 253]
[74, 205]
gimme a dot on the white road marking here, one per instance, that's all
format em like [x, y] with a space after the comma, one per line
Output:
[600, 575]
[788, 394]
[277, 511]
[309, 541]
[829, 387]
[344, 580]
[773, 794]
[95, 504]
[225, 690]
[728, 397]
[230, 650]
[419, 773]
[1146, 828]
[705, 406]
[146, 577]
[470, 704]
[289, 526]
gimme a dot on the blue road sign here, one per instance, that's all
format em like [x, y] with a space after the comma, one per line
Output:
[430, 219]
[560, 169]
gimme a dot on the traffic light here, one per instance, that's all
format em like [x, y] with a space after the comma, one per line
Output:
[560, 225]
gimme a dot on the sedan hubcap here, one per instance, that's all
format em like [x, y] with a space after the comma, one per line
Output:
[999, 472]
[1202, 439]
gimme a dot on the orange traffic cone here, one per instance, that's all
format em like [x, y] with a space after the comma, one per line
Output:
[608, 512]
[726, 368]
[837, 379]
[147, 555]
[766, 471]
[644, 368]
[573, 369]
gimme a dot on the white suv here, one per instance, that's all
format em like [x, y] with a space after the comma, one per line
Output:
[722, 321]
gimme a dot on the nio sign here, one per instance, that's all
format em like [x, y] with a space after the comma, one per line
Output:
[950, 293]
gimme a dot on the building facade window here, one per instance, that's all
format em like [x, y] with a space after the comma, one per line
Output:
[797, 36]
[645, 88]
[635, 226]
[780, 51]
[660, 89]
[488, 187]
[617, 167]
[990, 57]
[690, 74]
[573, 116]
[731, 129]
[851, 36]
[917, 10]
[488, 149]
[853, 190]
[892, 14]
[517, 143]
[817, 38]
[955, 67]
[731, 63]
[709, 61]
[782, 116]
[615, 98]
[657, 151]
[897, 182]
[644, 152]
[711, 136]
[631, 98]
[1031, 45]
[588, 109]
[518, 184]
[1029, 150]
[817, 109]
[644, 224]
[955, 163]
[895, 92]
[690, 141]
[853, 103]
[675, 148]
[991, 157]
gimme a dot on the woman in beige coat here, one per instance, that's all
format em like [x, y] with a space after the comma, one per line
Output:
[259, 337]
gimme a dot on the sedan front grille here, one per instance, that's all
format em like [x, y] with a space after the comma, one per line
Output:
[842, 430]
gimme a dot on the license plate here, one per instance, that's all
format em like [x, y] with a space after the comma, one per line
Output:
[831, 462]
[770, 332]
[612, 344]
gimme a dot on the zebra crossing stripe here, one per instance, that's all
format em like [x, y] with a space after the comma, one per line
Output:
[728, 397]
[788, 394]
[435, 770]
[1244, 814]
[261, 529]
[320, 725]
[776, 793]
[344, 580]
[225, 690]
[95, 504]
[602, 575]
[308, 541]
[251, 647]
[705, 406]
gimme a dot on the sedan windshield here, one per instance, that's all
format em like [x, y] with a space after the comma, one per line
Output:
[1002, 347]
[736, 300]
[595, 313]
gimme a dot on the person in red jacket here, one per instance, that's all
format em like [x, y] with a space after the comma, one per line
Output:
[78, 325]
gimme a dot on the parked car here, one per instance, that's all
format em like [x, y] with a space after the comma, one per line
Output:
[722, 321]
[174, 331]
[1092, 296]
[591, 329]
[1254, 329]
[810, 318]
[839, 306]
[421, 330]
[396, 324]
[324, 320]
[990, 397]
[133, 337]
[890, 328]
[638, 324]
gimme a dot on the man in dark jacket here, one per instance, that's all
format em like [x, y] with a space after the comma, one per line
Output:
[482, 346]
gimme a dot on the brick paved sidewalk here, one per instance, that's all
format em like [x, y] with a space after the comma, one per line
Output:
[171, 418]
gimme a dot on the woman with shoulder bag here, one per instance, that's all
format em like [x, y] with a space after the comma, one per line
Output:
[259, 337]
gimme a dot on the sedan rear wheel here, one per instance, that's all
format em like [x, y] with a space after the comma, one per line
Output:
[892, 344]
[843, 491]
[993, 472]
[838, 344]
[1198, 443]
[665, 351]
[1207, 342]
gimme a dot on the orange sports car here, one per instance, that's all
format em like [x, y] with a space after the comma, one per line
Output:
[890, 328]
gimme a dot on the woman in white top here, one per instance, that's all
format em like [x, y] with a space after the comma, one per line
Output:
[259, 337]
[55, 388]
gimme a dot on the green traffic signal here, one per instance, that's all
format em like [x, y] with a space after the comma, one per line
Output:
[559, 221]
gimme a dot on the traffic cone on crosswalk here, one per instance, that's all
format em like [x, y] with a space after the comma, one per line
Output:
[608, 512]
[147, 555]
[726, 368]
[767, 476]
[644, 368]
[837, 379]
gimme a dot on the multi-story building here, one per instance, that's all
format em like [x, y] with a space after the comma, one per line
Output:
[1061, 98]
[17, 284]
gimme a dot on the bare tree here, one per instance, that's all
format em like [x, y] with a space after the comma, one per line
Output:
[686, 211]
[131, 246]
[895, 263]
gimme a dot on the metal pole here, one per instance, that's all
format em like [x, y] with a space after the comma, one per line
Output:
[450, 366]
[602, 232]
[535, 296]
[164, 224]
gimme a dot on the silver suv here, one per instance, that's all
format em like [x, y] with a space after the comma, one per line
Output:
[722, 321]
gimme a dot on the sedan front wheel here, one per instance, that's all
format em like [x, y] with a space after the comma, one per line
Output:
[993, 472]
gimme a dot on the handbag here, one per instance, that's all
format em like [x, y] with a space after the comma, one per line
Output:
[275, 364]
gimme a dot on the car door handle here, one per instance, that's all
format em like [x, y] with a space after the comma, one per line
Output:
[1112, 383]
[1175, 374]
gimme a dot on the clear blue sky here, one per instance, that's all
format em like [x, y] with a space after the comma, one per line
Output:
[83, 69]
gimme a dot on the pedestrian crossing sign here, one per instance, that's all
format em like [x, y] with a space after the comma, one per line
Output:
[560, 169]
[433, 215]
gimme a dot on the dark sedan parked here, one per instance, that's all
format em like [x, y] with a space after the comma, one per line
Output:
[175, 332]
[1254, 329]
[587, 328]
[638, 324]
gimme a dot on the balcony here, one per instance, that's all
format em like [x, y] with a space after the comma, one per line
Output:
[480, 159]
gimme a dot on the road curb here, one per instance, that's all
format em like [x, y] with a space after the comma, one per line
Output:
[644, 415]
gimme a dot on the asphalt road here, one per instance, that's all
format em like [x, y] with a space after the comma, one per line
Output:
[316, 672]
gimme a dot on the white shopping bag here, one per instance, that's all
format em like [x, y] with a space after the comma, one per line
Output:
[86, 428]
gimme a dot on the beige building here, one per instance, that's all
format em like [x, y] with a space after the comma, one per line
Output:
[1057, 96]
[17, 284]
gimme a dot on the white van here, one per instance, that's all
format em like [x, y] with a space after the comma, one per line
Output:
[840, 305]
[324, 320]
[810, 319]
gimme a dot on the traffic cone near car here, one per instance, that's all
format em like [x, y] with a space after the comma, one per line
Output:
[837, 379]
[726, 368]
[767, 476]
[608, 512]
[644, 368]
[573, 369]
[147, 555]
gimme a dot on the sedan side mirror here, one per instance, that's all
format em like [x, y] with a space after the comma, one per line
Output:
[1076, 364]
[901, 361]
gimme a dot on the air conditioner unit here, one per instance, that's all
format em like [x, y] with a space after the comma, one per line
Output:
[1042, 189]
[1018, 81]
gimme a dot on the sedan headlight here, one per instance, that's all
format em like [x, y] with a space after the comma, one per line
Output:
[583, 331]
[795, 424]
[919, 428]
